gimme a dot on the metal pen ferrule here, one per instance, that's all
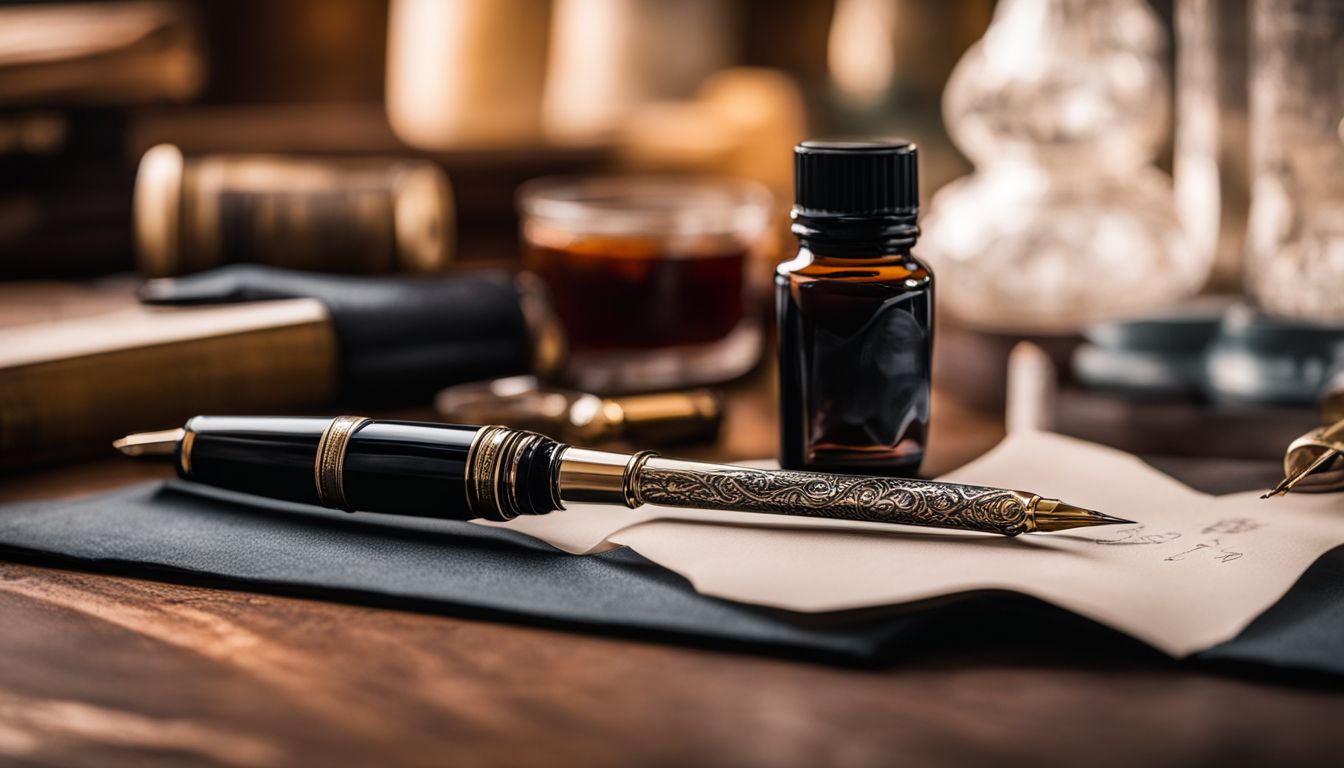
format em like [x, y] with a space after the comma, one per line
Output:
[600, 477]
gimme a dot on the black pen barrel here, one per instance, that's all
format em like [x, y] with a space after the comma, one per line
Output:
[396, 467]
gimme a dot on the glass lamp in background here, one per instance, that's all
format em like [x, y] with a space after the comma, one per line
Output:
[1295, 240]
[1212, 153]
[1062, 107]
[651, 276]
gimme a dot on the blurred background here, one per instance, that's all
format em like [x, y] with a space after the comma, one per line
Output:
[494, 93]
[1087, 170]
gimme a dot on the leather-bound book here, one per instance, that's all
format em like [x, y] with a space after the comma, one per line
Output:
[69, 386]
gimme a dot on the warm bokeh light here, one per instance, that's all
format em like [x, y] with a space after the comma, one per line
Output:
[859, 50]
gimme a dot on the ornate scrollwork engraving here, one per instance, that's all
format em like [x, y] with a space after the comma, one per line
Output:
[842, 497]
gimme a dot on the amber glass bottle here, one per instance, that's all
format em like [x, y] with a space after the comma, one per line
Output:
[855, 313]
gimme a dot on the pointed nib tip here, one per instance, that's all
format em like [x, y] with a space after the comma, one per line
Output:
[1279, 489]
[1104, 519]
[1054, 515]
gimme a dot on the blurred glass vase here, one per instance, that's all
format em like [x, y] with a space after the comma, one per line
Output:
[1062, 107]
[1211, 149]
[1295, 237]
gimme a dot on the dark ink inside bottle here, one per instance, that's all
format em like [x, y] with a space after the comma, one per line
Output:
[855, 313]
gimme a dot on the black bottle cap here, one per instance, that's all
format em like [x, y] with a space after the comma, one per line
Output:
[856, 178]
[856, 192]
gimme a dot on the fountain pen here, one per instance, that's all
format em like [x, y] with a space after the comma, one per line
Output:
[497, 473]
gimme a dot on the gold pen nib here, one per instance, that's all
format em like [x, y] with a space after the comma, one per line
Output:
[159, 443]
[1055, 515]
[1290, 482]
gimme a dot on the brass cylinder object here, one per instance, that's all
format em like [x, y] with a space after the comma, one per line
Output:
[364, 216]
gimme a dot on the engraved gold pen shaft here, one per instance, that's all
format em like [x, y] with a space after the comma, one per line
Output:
[671, 482]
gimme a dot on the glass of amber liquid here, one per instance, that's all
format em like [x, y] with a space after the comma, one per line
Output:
[650, 276]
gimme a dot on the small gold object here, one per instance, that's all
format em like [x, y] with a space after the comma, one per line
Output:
[1312, 462]
[329, 461]
[580, 417]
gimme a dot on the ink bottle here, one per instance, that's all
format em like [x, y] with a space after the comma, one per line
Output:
[855, 311]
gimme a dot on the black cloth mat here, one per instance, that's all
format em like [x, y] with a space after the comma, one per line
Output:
[170, 530]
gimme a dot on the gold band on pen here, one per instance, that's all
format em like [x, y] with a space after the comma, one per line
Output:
[630, 482]
[329, 462]
[494, 490]
[481, 471]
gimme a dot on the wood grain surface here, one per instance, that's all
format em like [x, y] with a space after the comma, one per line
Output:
[114, 671]
[111, 671]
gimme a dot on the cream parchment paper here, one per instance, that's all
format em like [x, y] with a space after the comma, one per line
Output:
[1192, 572]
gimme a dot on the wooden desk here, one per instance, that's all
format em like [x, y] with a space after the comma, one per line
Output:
[117, 671]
